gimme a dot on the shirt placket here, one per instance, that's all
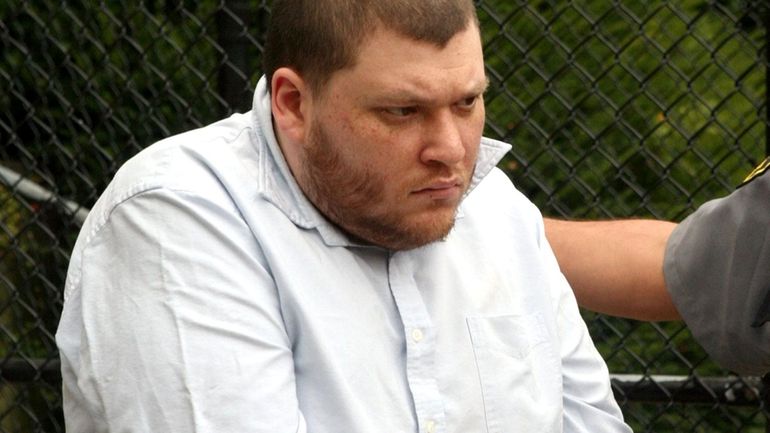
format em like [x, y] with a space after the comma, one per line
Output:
[420, 337]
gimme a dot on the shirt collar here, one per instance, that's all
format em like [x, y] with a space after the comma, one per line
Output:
[280, 188]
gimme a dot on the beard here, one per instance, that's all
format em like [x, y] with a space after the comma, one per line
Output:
[356, 199]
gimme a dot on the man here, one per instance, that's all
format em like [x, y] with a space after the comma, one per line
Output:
[340, 259]
[713, 269]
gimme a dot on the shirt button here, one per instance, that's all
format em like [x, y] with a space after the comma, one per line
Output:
[417, 335]
[430, 426]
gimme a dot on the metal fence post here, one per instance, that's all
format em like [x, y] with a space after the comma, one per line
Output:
[234, 86]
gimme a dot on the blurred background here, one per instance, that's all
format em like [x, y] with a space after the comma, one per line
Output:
[614, 108]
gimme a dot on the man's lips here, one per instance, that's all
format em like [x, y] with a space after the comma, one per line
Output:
[441, 190]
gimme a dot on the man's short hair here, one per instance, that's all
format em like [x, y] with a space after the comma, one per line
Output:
[319, 37]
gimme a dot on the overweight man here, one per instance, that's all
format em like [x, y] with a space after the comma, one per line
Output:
[343, 258]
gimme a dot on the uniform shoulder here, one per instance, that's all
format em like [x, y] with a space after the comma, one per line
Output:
[758, 173]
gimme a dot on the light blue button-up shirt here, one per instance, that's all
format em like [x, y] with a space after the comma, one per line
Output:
[206, 294]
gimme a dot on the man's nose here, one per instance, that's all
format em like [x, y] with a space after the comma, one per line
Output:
[443, 140]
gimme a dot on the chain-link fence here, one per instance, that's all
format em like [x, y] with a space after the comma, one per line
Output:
[614, 108]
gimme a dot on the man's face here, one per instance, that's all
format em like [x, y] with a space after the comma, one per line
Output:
[392, 141]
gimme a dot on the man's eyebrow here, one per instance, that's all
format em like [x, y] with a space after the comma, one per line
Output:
[409, 97]
[401, 96]
[480, 89]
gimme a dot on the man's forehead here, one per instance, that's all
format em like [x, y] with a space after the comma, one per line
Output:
[391, 65]
[383, 38]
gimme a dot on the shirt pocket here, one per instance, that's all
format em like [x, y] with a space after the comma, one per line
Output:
[520, 373]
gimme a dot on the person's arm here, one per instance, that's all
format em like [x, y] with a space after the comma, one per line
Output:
[175, 325]
[615, 267]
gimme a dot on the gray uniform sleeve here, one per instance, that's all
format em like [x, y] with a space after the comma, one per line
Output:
[717, 270]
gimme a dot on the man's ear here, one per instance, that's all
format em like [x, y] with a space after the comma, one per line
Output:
[289, 101]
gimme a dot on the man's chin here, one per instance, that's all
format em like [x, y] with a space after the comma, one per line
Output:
[417, 233]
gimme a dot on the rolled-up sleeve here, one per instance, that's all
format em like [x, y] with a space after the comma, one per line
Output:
[717, 270]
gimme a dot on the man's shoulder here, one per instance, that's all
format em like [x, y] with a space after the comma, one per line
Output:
[190, 152]
[214, 162]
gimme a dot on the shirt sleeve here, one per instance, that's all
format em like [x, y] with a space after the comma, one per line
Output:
[717, 270]
[175, 325]
[589, 404]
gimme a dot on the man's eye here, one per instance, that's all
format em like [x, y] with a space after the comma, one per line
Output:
[468, 102]
[400, 111]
